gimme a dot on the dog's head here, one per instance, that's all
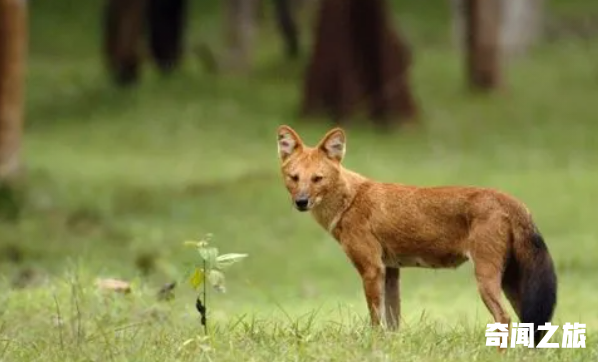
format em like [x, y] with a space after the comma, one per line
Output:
[310, 172]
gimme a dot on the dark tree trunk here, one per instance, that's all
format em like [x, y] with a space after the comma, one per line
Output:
[482, 28]
[129, 23]
[123, 39]
[13, 53]
[358, 60]
[287, 26]
[167, 25]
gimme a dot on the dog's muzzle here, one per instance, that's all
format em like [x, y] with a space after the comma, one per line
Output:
[302, 203]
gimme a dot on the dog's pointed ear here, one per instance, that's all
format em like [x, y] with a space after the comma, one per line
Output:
[334, 144]
[289, 142]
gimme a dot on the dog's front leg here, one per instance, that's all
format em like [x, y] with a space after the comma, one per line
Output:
[366, 255]
[373, 281]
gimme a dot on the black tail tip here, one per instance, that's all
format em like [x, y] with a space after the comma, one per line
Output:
[540, 287]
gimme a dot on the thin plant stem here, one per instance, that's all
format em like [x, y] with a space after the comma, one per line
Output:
[205, 300]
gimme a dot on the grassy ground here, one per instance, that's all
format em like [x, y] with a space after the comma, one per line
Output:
[120, 178]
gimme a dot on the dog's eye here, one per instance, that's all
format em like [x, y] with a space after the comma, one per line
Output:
[316, 179]
[295, 178]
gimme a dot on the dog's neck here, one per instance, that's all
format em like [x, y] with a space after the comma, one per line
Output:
[333, 206]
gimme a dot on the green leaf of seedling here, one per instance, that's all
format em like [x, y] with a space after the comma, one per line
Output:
[216, 279]
[196, 278]
[203, 253]
[192, 243]
[213, 259]
[196, 243]
[211, 265]
[210, 256]
[226, 260]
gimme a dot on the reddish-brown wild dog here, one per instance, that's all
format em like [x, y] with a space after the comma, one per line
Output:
[383, 227]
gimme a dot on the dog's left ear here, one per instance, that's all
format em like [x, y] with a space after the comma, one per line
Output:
[334, 144]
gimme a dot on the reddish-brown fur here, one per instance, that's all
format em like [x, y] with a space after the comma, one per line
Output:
[383, 227]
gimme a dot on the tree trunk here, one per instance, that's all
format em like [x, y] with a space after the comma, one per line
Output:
[14, 37]
[167, 22]
[521, 26]
[358, 60]
[240, 32]
[123, 39]
[287, 26]
[482, 27]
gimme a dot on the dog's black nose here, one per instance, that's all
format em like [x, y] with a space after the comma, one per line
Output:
[302, 204]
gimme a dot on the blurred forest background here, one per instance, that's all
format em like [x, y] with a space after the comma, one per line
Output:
[126, 153]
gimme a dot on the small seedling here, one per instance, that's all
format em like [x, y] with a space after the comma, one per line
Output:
[210, 269]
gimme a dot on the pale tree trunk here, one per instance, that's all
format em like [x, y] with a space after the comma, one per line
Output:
[521, 25]
[240, 31]
[241, 26]
[13, 53]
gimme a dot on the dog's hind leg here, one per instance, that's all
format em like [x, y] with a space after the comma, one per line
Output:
[392, 298]
[488, 248]
[511, 285]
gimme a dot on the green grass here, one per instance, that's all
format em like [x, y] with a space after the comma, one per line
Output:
[120, 175]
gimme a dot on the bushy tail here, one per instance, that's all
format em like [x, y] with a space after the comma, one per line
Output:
[532, 281]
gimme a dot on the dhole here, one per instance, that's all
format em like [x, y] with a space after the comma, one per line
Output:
[383, 227]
